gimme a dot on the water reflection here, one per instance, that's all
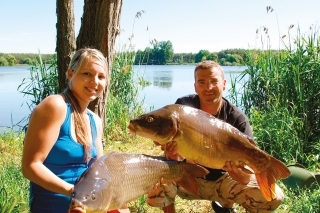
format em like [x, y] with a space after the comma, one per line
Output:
[162, 79]
[169, 82]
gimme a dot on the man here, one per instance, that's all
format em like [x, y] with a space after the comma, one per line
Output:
[232, 184]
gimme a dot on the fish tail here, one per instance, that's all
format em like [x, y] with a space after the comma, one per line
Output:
[268, 178]
[188, 181]
[267, 185]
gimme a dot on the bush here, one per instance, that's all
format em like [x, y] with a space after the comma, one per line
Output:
[11, 60]
[3, 61]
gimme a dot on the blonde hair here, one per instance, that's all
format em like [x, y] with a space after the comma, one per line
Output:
[81, 129]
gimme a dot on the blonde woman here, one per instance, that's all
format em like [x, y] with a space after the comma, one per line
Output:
[63, 136]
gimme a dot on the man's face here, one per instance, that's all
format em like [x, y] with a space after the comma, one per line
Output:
[209, 85]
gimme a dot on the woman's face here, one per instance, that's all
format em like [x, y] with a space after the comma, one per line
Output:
[88, 82]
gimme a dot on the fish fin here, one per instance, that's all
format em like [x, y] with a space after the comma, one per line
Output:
[188, 180]
[277, 169]
[267, 179]
[169, 209]
[195, 170]
[251, 140]
[190, 183]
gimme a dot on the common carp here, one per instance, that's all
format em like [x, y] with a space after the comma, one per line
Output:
[210, 142]
[118, 178]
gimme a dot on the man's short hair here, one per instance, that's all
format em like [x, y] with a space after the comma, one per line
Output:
[208, 64]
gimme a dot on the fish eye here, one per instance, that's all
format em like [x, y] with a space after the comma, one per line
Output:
[93, 195]
[150, 119]
[86, 197]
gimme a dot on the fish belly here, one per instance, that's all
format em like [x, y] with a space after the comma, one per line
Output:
[134, 179]
[211, 142]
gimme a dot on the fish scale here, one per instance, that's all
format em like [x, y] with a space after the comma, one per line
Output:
[211, 142]
[118, 178]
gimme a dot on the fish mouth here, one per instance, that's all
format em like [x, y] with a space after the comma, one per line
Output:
[132, 128]
[77, 210]
[76, 207]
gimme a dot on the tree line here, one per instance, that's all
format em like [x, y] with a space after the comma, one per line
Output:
[11, 59]
[160, 53]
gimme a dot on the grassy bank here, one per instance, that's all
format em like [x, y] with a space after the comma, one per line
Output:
[14, 187]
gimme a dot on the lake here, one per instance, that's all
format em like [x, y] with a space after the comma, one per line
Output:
[168, 82]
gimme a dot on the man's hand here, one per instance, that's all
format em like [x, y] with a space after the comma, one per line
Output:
[162, 194]
[238, 173]
[170, 150]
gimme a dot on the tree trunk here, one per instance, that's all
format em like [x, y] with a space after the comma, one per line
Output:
[99, 29]
[66, 43]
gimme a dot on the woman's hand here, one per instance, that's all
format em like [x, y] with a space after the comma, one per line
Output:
[162, 194]
[238, 173]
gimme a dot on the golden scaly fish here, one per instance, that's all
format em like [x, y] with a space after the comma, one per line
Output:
[206, 140]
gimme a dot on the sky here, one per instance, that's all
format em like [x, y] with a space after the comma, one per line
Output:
[214, 25]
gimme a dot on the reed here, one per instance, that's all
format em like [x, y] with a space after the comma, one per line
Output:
[123, 96]
[282, 98]
[42, 82]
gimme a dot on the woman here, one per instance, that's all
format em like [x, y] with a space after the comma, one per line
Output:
[63, 136]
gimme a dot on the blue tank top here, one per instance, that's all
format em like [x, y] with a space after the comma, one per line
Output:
[66, 159]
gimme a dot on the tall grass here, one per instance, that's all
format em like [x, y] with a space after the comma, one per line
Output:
[282, 98]
[42, 82]
[14, 187]
[123, 97]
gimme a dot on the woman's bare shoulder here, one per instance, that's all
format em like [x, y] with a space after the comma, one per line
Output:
[51, 105]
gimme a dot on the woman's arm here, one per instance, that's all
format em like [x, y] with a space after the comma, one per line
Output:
[42, 133]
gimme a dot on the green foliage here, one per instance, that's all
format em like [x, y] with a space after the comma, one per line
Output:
[161, 53]
[11, 60]
[123, 95]
[278, 129]
[302, 201]
[282, 99]
[7, 203]
[27, 58]
[142, 57]
[183, 58]
[42, 82]
[3, 61]
[231, 60]
[13, 186]
[29, 61]
[201, 55]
